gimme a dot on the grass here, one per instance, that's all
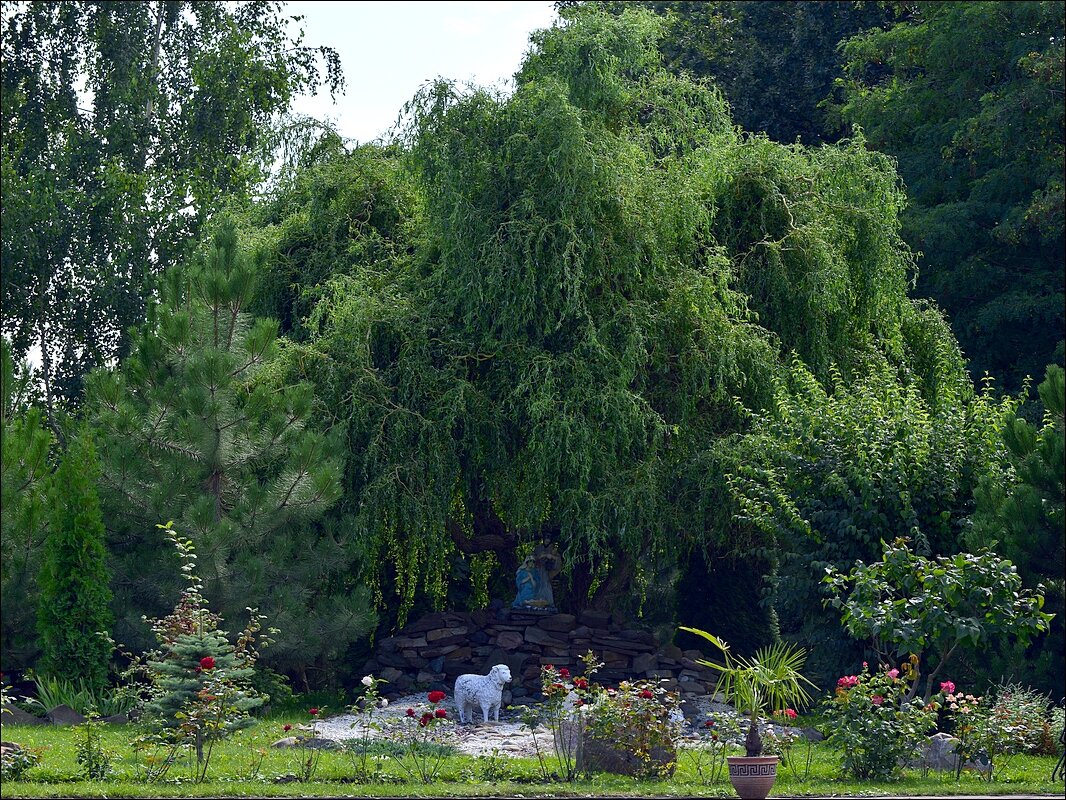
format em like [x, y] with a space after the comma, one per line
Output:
[59, 775]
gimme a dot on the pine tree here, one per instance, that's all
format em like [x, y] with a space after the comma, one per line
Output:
[201, 429]
[1025, 520]
[73, 618]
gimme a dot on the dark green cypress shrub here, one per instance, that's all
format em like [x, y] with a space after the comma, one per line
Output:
[73, 618]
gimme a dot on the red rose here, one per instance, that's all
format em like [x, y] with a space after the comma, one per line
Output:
[424, 721]
[578, 703]
[709, 723]
[286, 728]
[581, 683]
[791, 713]
[564, 673]
[410, 712]
[440, 713]
[646, 694]
[207, 663]
[547, 667]
[313, 712]
[435, 696]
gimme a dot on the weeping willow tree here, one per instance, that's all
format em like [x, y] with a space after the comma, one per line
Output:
[608, 278]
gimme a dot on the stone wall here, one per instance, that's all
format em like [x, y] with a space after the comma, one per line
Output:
[432, 651]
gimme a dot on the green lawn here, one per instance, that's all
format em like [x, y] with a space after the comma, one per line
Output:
[58, 774]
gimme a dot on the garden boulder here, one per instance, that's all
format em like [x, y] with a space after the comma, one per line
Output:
[65, 715]
[13, 715]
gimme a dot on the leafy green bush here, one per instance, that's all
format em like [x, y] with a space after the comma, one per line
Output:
[834, 467]
[875, 724]
[1013, 719]
[91, 754]
[641, 719]
[16, 761]
[910, 604]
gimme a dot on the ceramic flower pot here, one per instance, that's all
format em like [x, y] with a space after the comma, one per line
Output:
[754, 777]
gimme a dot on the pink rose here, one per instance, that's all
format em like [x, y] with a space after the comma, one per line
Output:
[893, 673]
[877, 700]
[947, 687]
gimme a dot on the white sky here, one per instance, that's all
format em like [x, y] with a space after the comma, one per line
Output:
[389, 49]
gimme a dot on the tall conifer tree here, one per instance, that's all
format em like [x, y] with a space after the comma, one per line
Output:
[73, 616]
[202, 429]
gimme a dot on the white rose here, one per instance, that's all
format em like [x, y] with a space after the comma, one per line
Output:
[384, 702]
[368, 680]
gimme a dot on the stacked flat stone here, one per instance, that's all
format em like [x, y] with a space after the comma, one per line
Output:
[432, 651]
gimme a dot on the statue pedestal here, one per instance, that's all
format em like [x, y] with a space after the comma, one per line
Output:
[528, 613]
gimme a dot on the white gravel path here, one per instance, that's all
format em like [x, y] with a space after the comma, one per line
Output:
[508, 736]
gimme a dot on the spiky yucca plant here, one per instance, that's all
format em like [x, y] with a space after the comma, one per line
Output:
[769, 681]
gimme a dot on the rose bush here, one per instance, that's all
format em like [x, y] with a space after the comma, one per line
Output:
[424, 734]
[874, 724]
[633, 728]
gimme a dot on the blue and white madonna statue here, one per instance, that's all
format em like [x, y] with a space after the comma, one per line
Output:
[526, 579]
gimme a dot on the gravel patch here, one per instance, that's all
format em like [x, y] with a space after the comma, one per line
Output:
[507, 737]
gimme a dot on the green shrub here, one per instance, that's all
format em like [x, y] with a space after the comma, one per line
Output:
[91, 754]
[1013, 719]
[16, 761]
[201, 683]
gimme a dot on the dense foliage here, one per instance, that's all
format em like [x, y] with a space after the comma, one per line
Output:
[777, 63]
[1023, 519]
[592, 314]
[968, 98]
[125, 127]
[25, 476]
[199, 428]
[73, 615]
[605, 264]
[831, 471]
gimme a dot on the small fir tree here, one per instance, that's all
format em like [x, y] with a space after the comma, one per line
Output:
[201, 682]
[73, 618]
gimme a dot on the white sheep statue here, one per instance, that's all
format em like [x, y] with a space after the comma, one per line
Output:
[484, 691]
